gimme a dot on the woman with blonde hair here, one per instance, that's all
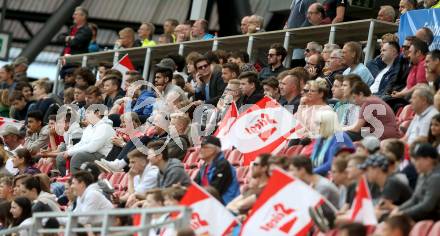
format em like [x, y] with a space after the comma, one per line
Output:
[330, 138]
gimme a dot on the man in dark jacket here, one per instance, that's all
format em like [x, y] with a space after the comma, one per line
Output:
[171, 170]
[250, 87]
[79, 36]
[217, 171]
[275, 58]
[210, 85]
[425, 202]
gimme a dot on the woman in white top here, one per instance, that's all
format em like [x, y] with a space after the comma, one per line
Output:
[21, 210]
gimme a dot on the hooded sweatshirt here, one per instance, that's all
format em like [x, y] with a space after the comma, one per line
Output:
[174, 173]
[49, 199]
[96, 138]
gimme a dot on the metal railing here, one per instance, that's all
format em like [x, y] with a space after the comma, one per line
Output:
[70, 226]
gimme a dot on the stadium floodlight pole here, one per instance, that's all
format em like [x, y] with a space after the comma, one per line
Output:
[50, 28]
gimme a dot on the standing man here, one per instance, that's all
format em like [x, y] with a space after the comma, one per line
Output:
[145, 33]
[244, 25]
[78, 39]
[275, 58]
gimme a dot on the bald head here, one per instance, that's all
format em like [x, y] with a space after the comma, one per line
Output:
[244, 25]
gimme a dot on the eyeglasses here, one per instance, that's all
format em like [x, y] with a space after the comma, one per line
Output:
[202, 67]
[271, 54]
[309, 91]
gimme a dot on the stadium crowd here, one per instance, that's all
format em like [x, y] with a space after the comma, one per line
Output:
[147, 147]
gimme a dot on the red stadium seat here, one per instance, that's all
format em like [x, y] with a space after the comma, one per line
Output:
[235, 158]
[293, 150]
[46, 168]
[191, 161]
[194, 173]
[435, 230]
[421, 228]
[242, 172]
[123, 184]
[116, 177]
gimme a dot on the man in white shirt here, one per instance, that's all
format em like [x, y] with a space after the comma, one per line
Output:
[94, 144]
[389, 54]
[142, 176]
[422, 101]
[89, 197]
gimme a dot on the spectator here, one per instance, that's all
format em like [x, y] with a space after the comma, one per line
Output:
[312, 48]
[244, 24]
[19, 106]
[417, 54]
[348, 112]
[230, 71]
[337, 91]
[37, 134]
[430, 4]
[68, 95]
[335, 10]
[399, 225]
[171, 170]
[352, 229]
[93, 45]
[434, 132]
[13, 140]
[425, 201]
[126, 39]
[330, 138]
[84, 76]
[6, 188]
[255, 24]
[93, 96]
[21, 210]
[379, 169]
[340, 178]
[250, 87]
[271, 88]
[21, 65]
[291, 86]
[241, 58]
[142, 176]
[327, 51]
[316, 15]
[22, 160]
[426, 35]
[163, 81]
[407, 5]
[112, 90]
[387, 127]
[422, 104]
[182, 32]
[7, 78]
[41, 200]
[275, 58]
[232, 94]
[335, 66]
[88, 197]
[94, 144]
[387, 13]
[351, 54]
[315, 66]
[169, 27]
[301, 167]
[432, 66]
[26, 90]
[199, 30]
[78, 38]
[145, 33]
[217, 171]
[298, 13]
[210, 85]
[179, 143]
[165, 39]
[45, 103]
[390, 57]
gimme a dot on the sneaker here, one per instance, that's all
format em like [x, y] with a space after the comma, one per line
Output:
[110, 166]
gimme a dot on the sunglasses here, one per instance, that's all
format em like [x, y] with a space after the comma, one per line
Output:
[202, 67]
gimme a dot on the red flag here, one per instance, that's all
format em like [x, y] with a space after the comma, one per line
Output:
[123, 66]
[362, 210]
[263, 128]
[225, 125]
[280, 212]
[209, 216]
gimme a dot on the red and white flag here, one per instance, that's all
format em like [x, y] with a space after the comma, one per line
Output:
[8, 121]
[225, 125]
[282, 208]
[263, 128]
[209, 216]
[123, 66]
[362, 210]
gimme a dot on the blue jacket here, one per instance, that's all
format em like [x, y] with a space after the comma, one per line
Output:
[330, 151]
[144, 104]
[221, 176]
[376, 65]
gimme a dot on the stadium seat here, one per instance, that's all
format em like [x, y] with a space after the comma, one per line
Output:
[293, 150]
[123, 184]
[46, 167]
[116, 177]
[435, 230]
[235, 158]
[242, 172]
[421, 228]
[191, 161]
[307, 150]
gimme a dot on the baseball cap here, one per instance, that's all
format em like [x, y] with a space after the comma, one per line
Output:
[211, 140]
[425, 150]
[371, 143]
[375, 160]
[167, 63]
[9, 129]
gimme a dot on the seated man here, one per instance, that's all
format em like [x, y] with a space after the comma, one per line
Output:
[217, 171]
[19, 106]
[112, 90]
[37, 135]
[94, 144]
